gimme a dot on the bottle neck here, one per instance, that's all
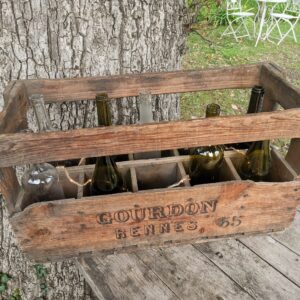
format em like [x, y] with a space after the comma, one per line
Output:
[103, 112]
[212, 110]
[262, 145]
[145, 108]
[41, 114]
[256, 100]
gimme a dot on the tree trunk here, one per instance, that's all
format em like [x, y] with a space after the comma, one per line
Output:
[73, 38]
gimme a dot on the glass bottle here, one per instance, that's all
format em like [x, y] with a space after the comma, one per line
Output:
[257, 162]
[106, 178]
[146, 116]
[205, 162]
[41, 181]
[255, 105]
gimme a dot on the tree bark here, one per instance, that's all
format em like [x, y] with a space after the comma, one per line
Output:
[73, 38]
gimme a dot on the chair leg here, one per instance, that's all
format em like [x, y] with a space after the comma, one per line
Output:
[246, 28]
[286, 34]
[254, 27]
[233, 31]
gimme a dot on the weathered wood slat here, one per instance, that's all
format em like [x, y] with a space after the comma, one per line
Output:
[155, 83]
[9, 187]
[293, 155]
[290, 237]
[12, 119]
[256, 276]
[27, 148]
[275, 254]
[190, 274]
[59, 229]
[278, 88]
[124, 277]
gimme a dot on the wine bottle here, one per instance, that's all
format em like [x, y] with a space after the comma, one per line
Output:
[41, 181]
[257, 162]
[106, 178]
[146, 116]
[205, 162]
[255, 102]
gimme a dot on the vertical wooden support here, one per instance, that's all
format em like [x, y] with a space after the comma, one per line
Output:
[12, 119]
[293, 155]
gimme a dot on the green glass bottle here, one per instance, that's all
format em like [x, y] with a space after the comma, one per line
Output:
[106, 177]
[257, 162]
[205, 162]
[255, 105]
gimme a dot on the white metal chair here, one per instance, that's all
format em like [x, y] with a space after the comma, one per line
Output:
[235, 14]
[290, 15]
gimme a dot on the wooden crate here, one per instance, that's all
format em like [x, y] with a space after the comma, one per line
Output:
[153, 213]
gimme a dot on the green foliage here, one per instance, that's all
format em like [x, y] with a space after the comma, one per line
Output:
[217, 16]
[4, 279]
[16, 295]
[41, 273]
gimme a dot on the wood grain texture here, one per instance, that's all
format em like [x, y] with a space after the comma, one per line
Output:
[243, 266]
[53, 230]
[123, 276]
[278, 88]
[12, 119]
[278, 256]
[155, 83]
[293, 155]
[9, 187]
[27, 147]
[290, 237]
[190, 274]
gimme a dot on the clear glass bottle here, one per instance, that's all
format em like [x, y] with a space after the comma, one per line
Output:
[106, 178]
[146, 116]
[41, 181]
[205, 162]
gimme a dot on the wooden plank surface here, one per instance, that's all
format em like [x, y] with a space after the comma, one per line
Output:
[123, 277]
[187, 273]
[275, 254]
[24, 148]
[61, 228]
[257, 267]
[190, 274]
[156, 83]
[290, 238]
[246, 268]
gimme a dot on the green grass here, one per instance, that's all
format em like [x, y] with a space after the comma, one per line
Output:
[211, 50]
[227, 52]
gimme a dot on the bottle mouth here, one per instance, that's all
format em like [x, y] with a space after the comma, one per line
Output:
[258, 89]
[212, 110]
[101, 97]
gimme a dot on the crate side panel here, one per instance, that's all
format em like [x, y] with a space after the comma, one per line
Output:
[55, 230]
[278, 88]
[27, 148]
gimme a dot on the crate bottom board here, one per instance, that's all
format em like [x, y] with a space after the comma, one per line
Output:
[55, 230]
